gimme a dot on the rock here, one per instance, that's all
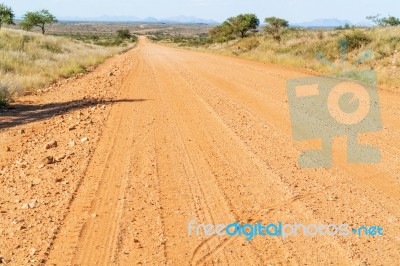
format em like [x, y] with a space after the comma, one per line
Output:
[85, 139]
[36, 181]
[21, 131]
[29, 205]
[2, 260]
[72, 128]
[94, 215]
[40, 166]
[61, 157]
[110, 74]
[33, 251]
[71, 143]
[49, 160]
[8, 149]
[58, 179]
[51, 144]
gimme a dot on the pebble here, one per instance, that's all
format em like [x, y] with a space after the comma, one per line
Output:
[59, 158]
[48, 160]
[51, 144]
[84, 139]
[71, 143]
[29, 205]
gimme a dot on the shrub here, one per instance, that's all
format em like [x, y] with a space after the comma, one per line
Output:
[5, 94]
[124, 34]
[356, 40]
[248, 44]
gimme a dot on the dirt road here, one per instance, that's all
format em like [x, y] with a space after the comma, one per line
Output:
[198, 136]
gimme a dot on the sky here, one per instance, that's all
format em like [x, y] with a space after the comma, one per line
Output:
[292, 10]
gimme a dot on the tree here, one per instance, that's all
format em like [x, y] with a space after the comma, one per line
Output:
[221, 33]
[375, 19]
[275, 26]
[37, 19]
[124, 34]
[6, 15]
[243, 23]
[389, 21]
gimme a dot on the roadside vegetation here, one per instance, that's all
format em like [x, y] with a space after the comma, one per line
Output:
[277, 42]
[30, 61]
[121, 38]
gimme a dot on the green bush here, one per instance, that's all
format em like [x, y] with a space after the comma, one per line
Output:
[123, 34]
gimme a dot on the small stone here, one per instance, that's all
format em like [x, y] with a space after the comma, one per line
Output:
[49, 160]
[72, 128]
[36, 181]
[94, 215]
[58, 179]
[8, 149]
[22, 227]
[33, 251]
[61, 157]
[40, 166]
[71, 143]
[21, 131]
[84, 139]
[110, 74]
[29, 205]
[51, 144]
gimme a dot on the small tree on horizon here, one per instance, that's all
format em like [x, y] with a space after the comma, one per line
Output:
[243, 23]
[37, 19]
[274, 27]
[6, 15]
[234, 27]
[389, 21]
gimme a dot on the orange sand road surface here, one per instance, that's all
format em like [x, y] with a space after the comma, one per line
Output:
[208, 137]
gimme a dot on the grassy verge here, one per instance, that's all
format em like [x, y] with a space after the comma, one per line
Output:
[29, 61]
[299, 48]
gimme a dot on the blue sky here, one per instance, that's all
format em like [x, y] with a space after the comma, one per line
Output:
[292, 10]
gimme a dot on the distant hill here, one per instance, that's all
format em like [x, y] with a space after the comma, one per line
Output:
[328, 23]
[170, 20]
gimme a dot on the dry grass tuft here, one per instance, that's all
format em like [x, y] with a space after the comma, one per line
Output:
[29, 61]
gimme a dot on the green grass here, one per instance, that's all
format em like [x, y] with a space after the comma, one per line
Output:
[30, 61]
